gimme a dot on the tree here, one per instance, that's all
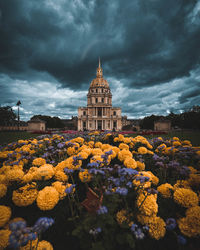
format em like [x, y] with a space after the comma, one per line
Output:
[7, 115]
[51, 122]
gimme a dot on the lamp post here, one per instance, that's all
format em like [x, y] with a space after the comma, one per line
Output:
[18, 103]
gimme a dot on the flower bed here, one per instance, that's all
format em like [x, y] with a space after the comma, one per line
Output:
[99, 191]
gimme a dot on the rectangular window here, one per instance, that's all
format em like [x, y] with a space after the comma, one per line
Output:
[96, 100]
[102, 100]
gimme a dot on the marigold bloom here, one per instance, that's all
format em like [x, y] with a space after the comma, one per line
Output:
[60, 176]
[71, 165]
[190, 225]
[194, 180]
[96, 151]
[123, 154]
[4, 237]
[83, 155]
[165, 190]
[186, 197]
[60, 187]
[3, 190]
[44, 172]
[85, 176]
[182, 184]
[39, 162]
[5, 214]
[14, 175]
[121, 216]
[140, 165]
[147, 204]
[71, 151]
[47, 198]
[157, 228]
[31, 243]
[98, 144]
[25, 196]
[142, 150]
[130, 163]
[123, 146]
[44, 245]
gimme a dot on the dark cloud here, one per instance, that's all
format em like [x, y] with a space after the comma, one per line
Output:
[142, 44]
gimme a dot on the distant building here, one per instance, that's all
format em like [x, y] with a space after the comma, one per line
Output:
[130, 124]
[70, 124]
[14, 125]
[162, 125]
[36, 125]
[99, 113]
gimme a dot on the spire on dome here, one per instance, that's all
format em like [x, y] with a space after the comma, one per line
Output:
[99, 70]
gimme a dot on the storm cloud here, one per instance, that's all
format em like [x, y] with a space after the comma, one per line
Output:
[149, 50]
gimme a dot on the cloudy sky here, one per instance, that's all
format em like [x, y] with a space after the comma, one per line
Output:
[150, 53]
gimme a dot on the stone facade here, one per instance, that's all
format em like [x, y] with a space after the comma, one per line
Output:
[99, 113]
[36, 125]
[162, 125]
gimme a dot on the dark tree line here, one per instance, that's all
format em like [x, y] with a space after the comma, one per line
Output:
[187, 120]
[7, 116]
[51, 122]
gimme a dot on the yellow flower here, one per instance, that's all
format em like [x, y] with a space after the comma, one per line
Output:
[156, 225]
[39, 162]
[190, 225]
[14, 175]
[116, 139]
[27, 178]
[147, 204]
[186, 197]
[30, 245]
[3, 190]
[85, 176]
[78, 140]
[71, 151]
[192, 170]
[175, 139]
[44, 245]
[98, 144]
[83, 155]
[127, 140]
[157, 228]
[194, 180]
[96, 151]
[130, 163]
[154, 179]
[142, 150]
[60, 187]
[162, 147]
[70, 164]
[60, 176]
[5, 214]
[123, 154]
[140, 165]
[176, 143]
[123, 146]
[182, 184]
[47, 198]
[121, 216]
[25, 195]
[165, 190]
[44, 172]
[4, 237]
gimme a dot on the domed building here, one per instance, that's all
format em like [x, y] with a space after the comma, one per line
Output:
[99, 113]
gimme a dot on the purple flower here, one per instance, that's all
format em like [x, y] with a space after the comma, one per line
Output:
[134, 227]
[170, 224]
[121, 191]
[42, 224]
[68, 171]
[181, 240]
[139, 234]
[70, 189]
[102, 210]
[61, 145]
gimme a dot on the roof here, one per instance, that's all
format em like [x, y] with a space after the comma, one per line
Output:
[36, 120]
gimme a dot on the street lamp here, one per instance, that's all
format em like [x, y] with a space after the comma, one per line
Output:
[18, 103]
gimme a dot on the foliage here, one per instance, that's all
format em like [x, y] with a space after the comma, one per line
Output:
[7, 115]
[51, 122]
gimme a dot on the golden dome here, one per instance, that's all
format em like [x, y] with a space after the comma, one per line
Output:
[99, 81]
